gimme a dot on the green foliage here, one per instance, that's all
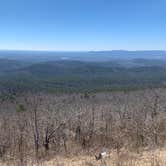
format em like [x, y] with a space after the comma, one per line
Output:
[20, 108]
[86, 95]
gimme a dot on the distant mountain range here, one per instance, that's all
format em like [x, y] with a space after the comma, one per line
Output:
[43, 56]
[22, 71]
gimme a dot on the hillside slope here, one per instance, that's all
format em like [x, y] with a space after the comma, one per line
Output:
[82, 76]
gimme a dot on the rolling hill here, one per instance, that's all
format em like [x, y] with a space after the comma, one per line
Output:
[77, 76]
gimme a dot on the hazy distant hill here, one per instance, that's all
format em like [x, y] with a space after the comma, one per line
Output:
[77, 76]
[10, 65]
[43, 56]
[22, 71]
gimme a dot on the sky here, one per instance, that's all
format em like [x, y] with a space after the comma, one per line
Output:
[83, 25]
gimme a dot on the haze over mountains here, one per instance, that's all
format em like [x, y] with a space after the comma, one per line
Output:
[22, 71]
[40, 56]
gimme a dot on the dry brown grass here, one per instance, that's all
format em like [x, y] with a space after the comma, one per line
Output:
[145, 158]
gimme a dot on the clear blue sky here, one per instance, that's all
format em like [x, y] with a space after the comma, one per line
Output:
[83, 24]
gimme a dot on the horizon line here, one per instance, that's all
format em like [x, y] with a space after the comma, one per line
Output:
[38, 50]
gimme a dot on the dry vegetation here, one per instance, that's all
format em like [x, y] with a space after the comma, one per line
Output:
[49, 129]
